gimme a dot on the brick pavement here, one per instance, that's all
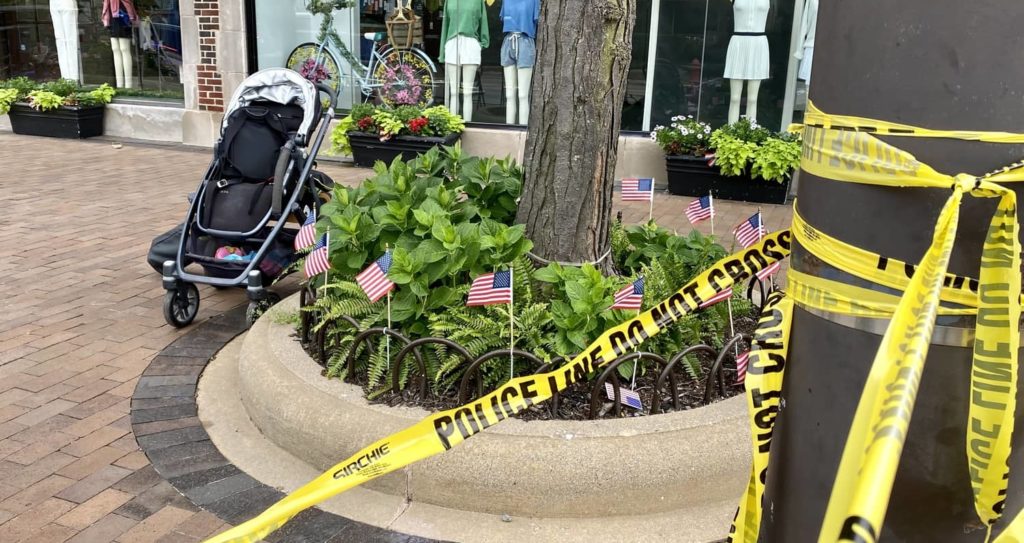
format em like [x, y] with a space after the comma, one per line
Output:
[80, 319]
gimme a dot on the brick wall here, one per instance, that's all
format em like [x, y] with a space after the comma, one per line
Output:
[208, 77]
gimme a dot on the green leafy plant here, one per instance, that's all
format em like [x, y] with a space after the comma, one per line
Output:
[388, 122]
[44, 100]
[775, 159]
[684, 136]
[51, 95]
[747, 147]
[7, 97]
[447, 218]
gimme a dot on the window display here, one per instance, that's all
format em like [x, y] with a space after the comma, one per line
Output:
[746, 60]
[464, 34]
[718, 60]
[518, 54]
[133, 44]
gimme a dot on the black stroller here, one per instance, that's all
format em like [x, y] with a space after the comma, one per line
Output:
[262, 174]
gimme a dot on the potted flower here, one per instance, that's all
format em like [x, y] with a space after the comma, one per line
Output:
[61, 108]
[756, 164]
[371, 133]
[686, 142]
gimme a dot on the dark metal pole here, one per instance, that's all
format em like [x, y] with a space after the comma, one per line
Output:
[931, 63]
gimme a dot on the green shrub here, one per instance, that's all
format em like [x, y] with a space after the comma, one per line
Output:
[448, 218]
[746, 147]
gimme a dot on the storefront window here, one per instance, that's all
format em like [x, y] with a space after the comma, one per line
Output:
[139, 52]
[717, 60]
[480, 55]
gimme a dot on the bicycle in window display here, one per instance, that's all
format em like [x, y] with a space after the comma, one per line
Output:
[396, 76]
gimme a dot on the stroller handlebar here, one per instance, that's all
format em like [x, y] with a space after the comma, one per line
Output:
[329, 92]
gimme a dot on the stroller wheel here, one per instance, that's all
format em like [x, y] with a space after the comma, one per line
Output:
[181, 305]
[256, 309]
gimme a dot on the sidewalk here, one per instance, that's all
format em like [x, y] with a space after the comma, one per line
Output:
[80, 319]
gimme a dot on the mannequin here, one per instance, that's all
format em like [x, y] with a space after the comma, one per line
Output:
[64, 14]
[805, 45]
[747, 58]
[518, 54]
[463, 35]
[120, 37]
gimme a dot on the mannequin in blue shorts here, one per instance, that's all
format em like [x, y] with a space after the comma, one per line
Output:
[518, 54]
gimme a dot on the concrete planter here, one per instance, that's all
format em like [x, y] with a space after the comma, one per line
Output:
[546, 469]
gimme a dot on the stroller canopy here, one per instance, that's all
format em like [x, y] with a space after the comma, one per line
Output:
[279, 85]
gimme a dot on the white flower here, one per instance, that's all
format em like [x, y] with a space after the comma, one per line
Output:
[707, 129]
[685, 132]
[689, 116]
[700, 136]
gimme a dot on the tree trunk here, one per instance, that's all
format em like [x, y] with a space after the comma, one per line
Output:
[579, 82]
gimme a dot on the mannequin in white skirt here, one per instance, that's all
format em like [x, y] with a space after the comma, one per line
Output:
[747, 58]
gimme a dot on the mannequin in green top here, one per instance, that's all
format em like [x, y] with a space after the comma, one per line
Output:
[463, 33]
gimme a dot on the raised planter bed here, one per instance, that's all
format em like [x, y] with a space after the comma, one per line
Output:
[649, 465]
[691, 176]
[367, 149]
[64, 122]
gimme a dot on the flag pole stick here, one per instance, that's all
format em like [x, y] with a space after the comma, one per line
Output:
[636, 363]
[511, 321]
[387, 335]
[327, 244]
[711, 201]
[650, 213]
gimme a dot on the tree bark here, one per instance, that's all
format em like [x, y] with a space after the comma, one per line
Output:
[583, 54]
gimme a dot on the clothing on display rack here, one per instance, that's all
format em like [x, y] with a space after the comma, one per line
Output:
[805, 44]
[464, 34]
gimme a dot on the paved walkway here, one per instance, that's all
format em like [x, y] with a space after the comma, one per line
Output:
[80, 319]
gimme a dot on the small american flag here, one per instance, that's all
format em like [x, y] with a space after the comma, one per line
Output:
[626, 397]
[307, 233]
[637, 190]
[374, 279]
[710, 158]
[750, 231]
[631, 296]
[721, 296]
[769, 271]
[741, 367]
[700, 209]
[491, 288]
[317, 261]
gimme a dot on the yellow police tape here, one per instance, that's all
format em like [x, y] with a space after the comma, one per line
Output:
[843, 149]
[442, 431]
[845, 299]
[765, 369]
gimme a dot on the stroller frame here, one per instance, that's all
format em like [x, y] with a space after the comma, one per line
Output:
[181, 300]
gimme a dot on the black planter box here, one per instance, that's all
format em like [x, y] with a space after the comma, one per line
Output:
[367, 149]
[64, 122]
[691, 176]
